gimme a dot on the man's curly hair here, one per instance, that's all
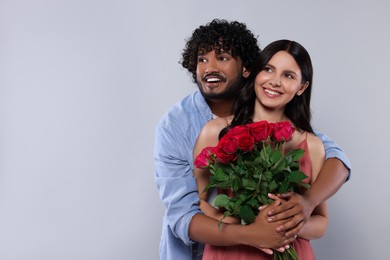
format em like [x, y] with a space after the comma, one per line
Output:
[219, 35]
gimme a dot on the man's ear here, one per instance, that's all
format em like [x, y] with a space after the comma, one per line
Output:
[245, 72]
[303, 88]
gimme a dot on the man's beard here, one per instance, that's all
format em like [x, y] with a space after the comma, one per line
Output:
[230, 93]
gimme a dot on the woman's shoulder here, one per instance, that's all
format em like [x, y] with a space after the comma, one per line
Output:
[211, 130]
[220, 122]
[215, 126]
[316, 147]
[314, 141]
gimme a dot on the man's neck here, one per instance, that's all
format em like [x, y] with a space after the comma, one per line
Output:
[221, 108]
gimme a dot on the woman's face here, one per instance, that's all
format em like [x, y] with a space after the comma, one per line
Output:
[279, 81]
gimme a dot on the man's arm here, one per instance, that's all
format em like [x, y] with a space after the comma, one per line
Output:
[259, 234]
[175, 181]
[333, 174]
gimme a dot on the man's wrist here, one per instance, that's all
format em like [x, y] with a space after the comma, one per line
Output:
[311, 200]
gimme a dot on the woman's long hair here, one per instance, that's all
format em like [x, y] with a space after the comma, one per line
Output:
[298, 109]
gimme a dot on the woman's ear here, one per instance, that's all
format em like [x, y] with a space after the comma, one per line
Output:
[245, 72]
[303, 88]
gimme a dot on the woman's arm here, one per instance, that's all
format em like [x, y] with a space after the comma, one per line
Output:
[316, 225]
[209, 137]
[204, 205]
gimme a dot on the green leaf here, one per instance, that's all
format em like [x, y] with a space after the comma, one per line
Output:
[221, 200]
[305, 185]
[231, 206]
[284, 187]
[248, 184]
[268, 175]
[253, 203]
[296, 154]
[237, 184]
[272, 186]
[220, 175]
[246, 213]
[226, 185]
[296, 176]
[279, 166]
[275, 156]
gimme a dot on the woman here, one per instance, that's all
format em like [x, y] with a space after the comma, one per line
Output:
[279, 89]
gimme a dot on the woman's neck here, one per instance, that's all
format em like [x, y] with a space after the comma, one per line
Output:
[271, 115]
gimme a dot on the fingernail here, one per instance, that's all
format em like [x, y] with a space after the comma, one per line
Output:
[270, 219]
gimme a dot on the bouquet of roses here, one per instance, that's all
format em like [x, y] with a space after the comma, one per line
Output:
[249, 162]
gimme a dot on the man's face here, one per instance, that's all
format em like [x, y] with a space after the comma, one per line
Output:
[219, 75]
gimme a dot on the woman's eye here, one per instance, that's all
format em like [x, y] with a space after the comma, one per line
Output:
[268, 69]
[223, 58]
[201, 60]
[289, 76]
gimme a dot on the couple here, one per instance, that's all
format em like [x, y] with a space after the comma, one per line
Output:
[226, 62]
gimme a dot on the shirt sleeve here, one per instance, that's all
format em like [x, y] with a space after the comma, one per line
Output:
[175, 181]
[332, 150]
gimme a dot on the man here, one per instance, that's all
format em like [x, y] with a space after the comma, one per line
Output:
[219, 56]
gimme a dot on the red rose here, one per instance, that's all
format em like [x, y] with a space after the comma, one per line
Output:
[224, 157]
[260, 130]
[245, 141]
[227, 144]
[203, 159]
[237, 130]
[282, 131]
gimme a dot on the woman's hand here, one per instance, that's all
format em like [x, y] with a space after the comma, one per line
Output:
[293, 207]
[263, 235]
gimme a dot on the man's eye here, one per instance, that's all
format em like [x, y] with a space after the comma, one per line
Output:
[223, 58]
[201, 60]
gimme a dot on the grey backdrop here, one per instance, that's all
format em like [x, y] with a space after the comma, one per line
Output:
[83, 83]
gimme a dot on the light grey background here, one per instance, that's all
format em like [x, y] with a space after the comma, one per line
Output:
[83, 83]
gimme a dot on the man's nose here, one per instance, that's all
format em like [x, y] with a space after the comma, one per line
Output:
[212, 66]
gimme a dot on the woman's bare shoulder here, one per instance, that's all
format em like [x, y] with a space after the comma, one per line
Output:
[317, 154]
[315, 144]
[213, 127]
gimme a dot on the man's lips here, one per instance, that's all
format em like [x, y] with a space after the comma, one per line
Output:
[213, 78]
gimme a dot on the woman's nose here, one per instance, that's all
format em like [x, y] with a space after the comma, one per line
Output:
[275, 81]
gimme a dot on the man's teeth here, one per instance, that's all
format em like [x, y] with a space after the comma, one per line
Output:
[271, 92]
[213, 80]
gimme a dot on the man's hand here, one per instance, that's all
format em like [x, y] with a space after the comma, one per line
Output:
[295, 208]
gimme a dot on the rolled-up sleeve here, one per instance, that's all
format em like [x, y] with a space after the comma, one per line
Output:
[332, 150]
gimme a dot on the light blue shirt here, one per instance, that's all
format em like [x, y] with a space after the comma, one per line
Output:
[176, 134]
